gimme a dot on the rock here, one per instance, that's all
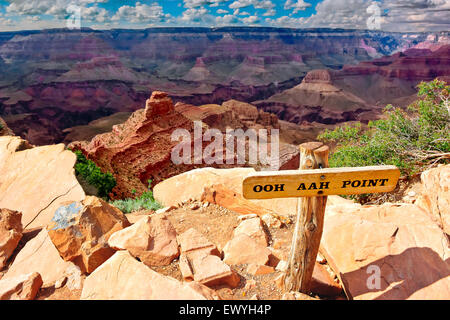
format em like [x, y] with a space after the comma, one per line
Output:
[207, 269]
[73, 276]
[258, 270]
[254, 229]
[158, 104]
[436, 196]
[247, 216]
[224, 187]
[151, 129]
[192, 240]
[124, 278]
[200, 261]
[323, 284]
[165, 210]
[242, 249]
[80, 231]
[152, 239]
[23, 287]
[192, 184]
[296, 296]
[44, 176]
[61, 282]
[39, 255]
[232, 200]
[250, 284]
[271, 221]
[4, 130]
[10, 233]
[282, 266]
[399, 243]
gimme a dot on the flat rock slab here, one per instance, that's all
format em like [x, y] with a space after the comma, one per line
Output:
[23, 287]
[387, 252]
[35, 181]
[122, 277]
[39, 255]
[10, 233]
[152, 239]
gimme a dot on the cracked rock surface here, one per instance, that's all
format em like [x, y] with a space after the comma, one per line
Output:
[35, 181]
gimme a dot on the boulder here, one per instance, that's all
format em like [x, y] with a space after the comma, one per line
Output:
[122, 277]
[152, 239]
[80, 231]
[207, 269]
[200, 261]
[44, 176]
[387, 252]
[10, 233]
[436, 196]
[223, 187]
[192, 240]
[254, 229]
[39, 255]
[192, 184]
[242, 249]
[23, 287]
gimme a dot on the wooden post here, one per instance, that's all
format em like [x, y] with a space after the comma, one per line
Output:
[309, 225]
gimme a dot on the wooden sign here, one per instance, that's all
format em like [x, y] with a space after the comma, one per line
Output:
[320, 182]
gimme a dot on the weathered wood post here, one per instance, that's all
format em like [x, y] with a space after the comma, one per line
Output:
[309, 225]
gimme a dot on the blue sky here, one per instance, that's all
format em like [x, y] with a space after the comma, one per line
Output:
[389, 15]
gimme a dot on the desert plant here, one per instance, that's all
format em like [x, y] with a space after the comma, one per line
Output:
[409, 141]
[144, 202]
[89, 171]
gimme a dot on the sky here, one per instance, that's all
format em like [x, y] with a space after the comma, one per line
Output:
[386, 15]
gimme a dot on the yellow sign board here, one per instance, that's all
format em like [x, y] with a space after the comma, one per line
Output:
[320, 182]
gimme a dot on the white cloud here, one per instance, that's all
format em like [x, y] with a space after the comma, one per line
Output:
[201, 3]
[251, 20]
[222, 11]
[227, 20]
[297, 5]
[45, 7]
[141, 13]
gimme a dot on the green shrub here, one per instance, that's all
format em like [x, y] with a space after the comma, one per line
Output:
[145, 202]
[89, 171]
[411, 141]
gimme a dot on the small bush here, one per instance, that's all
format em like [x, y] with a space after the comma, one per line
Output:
[145, 202]
[410, 142]
[89, 171]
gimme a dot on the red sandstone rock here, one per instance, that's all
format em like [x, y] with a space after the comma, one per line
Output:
[436, 195]
[258, 270]
[400, 243]
[254, 229]
[192, 240]
[39, 255]
[80, 231]
[152, 239]
[200, 261]
[10, 233]
[24, 287]
[124, 278]
[43, 177]
[242, 249]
